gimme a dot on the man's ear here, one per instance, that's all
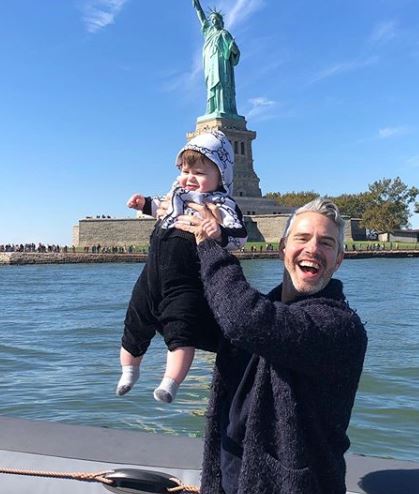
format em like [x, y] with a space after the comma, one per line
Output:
[282, 243]
[339, 260]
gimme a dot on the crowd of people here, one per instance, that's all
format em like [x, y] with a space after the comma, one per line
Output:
[99, 249]
[262, 248]
[376, 246]
[31, 247]
[132, 249]
[94, 249]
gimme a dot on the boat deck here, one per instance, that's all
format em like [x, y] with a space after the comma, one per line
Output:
[57, 447]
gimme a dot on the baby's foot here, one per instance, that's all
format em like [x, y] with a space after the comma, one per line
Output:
[130, 375]
[166, 391]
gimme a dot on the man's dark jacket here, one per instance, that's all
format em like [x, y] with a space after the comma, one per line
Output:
[310, 355]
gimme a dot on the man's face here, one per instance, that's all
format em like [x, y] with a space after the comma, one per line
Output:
[310, 255]
[202, 176]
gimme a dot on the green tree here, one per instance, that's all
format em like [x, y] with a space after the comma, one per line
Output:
[292, 199]
[389, 207]
[353, 205]
[383, 208]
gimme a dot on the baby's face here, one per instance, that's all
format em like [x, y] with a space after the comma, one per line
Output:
[200, 177]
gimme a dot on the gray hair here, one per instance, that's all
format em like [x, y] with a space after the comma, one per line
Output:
[326, 208]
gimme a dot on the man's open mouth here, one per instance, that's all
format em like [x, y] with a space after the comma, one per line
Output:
[309, 267]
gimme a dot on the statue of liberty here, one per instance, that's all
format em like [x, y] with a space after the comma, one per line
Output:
[220, 54]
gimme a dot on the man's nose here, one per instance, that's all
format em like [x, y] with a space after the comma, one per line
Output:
[312, 246]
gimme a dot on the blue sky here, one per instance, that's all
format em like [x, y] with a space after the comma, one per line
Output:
[97, 96]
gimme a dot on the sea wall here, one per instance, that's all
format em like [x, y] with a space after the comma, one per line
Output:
[5, 258]
[21, 258]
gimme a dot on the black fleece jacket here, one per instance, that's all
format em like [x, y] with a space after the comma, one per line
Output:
[309, 355]
[168, 296]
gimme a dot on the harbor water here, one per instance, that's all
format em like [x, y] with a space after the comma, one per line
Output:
[60, 330]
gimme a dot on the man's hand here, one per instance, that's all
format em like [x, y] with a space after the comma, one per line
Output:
[204, 226]
[137, 202]
[163, 207]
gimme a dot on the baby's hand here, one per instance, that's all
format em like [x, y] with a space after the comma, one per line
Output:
[136, 202]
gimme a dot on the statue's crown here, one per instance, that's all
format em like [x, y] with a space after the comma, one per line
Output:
[214, 11]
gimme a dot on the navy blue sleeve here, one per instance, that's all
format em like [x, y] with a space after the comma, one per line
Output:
[234, 238]
[312, 337]
[147, 206]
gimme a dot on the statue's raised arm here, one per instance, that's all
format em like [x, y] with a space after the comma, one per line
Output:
[199, 11]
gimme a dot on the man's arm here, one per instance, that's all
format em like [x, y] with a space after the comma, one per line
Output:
[316, 338]
[233, 238]
[200, 13]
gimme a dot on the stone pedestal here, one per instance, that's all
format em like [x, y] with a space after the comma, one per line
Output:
[245, 180]
[246, 188]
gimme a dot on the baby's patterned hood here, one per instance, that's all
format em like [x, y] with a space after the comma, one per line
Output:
[217, 148]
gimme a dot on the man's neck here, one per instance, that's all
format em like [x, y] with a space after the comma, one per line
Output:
[289, 293]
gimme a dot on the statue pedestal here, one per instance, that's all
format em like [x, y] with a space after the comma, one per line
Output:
[239, 119]
[246, 188]
[245, 180]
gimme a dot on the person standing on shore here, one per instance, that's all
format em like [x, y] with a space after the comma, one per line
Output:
[289, 365]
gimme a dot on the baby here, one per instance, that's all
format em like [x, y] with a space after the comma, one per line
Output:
[168, 295]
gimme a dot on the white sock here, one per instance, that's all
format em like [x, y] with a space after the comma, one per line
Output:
[130, 375]
[167, 390]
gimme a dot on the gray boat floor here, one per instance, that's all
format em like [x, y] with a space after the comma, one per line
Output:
[57, 447]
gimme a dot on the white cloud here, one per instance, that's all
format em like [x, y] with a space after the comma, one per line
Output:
[186, 80]
[384, 32]
[389, 132]
[343, 67]
[241, 10]
[261, 108]
[98, 14]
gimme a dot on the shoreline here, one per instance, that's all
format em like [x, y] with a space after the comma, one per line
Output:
[24, 258]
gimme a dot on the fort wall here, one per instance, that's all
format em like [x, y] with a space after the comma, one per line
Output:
[113, 232]
[119, 232]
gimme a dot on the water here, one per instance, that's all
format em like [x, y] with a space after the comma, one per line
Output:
[60, 329]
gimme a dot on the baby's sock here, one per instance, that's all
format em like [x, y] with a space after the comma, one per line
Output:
[130, 375]
[167, 390]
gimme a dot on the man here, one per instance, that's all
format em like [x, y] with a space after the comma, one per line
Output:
[288, 368]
